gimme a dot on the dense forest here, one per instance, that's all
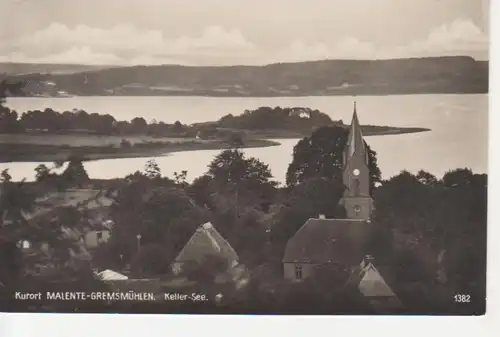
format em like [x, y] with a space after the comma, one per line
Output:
[264, 122]
[262, 118]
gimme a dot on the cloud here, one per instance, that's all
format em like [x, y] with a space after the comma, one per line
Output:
[461, 37]
[215, 45]
[126, 44]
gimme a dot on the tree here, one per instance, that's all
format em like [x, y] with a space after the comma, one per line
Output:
[75, 173]
[238, 191]
[321, 155]
[465, 228]
[49, 179]
[276, 118]
[152, 170]
[306, 200]
[65, 247]
[5, 176]
[17, 201]
[138, 125]
[446, 216]
[161, 215]
[427, 178]
[151, 260]
[180, 178]
[42, 172]
[241, 181]
[12, 88]
[457, 177]
[177, 127]
[200, 191]
[9, 122]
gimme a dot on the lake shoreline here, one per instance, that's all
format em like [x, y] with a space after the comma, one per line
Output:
[30, 152]
[35, 153]
[390, 131]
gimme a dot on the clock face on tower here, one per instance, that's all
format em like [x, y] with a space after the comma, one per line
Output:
[356, 172]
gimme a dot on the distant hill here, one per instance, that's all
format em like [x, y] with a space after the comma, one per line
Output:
[11, 68]
[329, 77]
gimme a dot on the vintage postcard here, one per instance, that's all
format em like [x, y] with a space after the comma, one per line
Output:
[321, 157]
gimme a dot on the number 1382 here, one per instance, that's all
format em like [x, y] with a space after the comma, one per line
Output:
[462, 298]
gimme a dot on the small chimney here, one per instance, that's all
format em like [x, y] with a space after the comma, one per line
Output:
[368, 259]
[322, 216]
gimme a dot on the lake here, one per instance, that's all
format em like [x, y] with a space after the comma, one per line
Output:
[459, 124]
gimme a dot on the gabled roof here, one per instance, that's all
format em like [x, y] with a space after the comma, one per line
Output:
[375, 287]
[328, 241]
[372, 284]
[206, 241]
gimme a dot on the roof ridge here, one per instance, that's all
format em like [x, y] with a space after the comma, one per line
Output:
[217, 242]
[339, 219]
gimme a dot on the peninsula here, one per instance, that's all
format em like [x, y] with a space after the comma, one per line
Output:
[49, 135]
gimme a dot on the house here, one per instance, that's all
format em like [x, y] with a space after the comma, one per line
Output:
[375, 287]
[321, 243]
[98, 234]
[83, 199]
[206, 241]
[300, 112]
[338, 243]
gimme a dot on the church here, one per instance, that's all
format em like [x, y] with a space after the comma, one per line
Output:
[339, 244]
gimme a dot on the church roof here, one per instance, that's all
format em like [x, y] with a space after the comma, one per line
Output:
[328, 241]
[355, 139]
[205, 241]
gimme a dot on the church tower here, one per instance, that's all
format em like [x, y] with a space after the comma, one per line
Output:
[357, 200]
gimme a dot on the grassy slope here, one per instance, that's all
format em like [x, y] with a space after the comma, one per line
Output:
[28, 152]
[328, 77]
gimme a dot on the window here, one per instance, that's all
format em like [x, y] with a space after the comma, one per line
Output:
[356, 187]
[99, 235]
[298, 271]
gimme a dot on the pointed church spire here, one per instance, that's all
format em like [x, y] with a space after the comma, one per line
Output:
[355, 140]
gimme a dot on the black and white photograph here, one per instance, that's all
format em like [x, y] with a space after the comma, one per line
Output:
[320, 157]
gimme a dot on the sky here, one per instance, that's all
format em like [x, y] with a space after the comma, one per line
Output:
[234, 32]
